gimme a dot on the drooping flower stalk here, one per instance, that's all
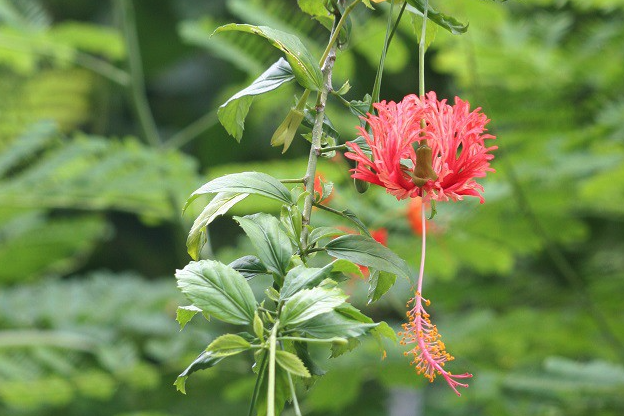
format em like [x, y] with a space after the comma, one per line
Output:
[429, 352]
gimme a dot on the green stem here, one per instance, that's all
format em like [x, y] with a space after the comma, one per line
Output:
[315, 340]
[193, 130]
[421, 53]
[125, 10]
[382, 59]
[271, 383]
[299, 180]
[259, 380]
[332, 148]
[294, 395]
[317, 132]
[336, 31]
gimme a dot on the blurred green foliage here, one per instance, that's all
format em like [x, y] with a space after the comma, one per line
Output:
[526, 289]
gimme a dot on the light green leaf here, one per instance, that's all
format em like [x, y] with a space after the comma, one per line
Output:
[233, 112]
[249, 266]
[367, 252]
[258, 326]
[304, 66]
[430, 32]
[270, 241]
[346, 267]
[185, 313]
[313, 7]
[447, 22]
[228, 344]
[302, 277]
[218, 290]
[379, 283]
[338, 349]
[335, 324]
[205, 360]
[291, 363]
[256, 183]
[219, 205]
[308, 303]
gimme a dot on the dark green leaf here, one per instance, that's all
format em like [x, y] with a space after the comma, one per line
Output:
[185, 314]
[291, 363]
[447, 22]
[249, 266]
[304, 67]
[218, 290]
[350, 215]
[309, 114]
[228, 344]
[379, 283]
[233, 112]
[302, 277]
[308, 303]
[302, 352]
[270, 241]
[205, 360]
[367, 252]
[361, 142]
[256, 183]
[219, 205]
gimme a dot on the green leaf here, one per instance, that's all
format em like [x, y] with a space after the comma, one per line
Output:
[367, 252]
[361, 108]
[447, 22]
[228, 344]
[302, 277]
[291, 363]
[430, 32]
[323, 232]
[290, 216]
[270, 241]
[205, 360]
[185, 313]
[337, 323]
[379, 283]
[304, 66]
[219, 205]
[249, 266]
[313, 7]
[346, 267]
[285, 132]
[384, 330]
[233, 112]
[308, 303]
[309, 116]
[350, 215]
[338, 349]
[256, 183]
[218, 290]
